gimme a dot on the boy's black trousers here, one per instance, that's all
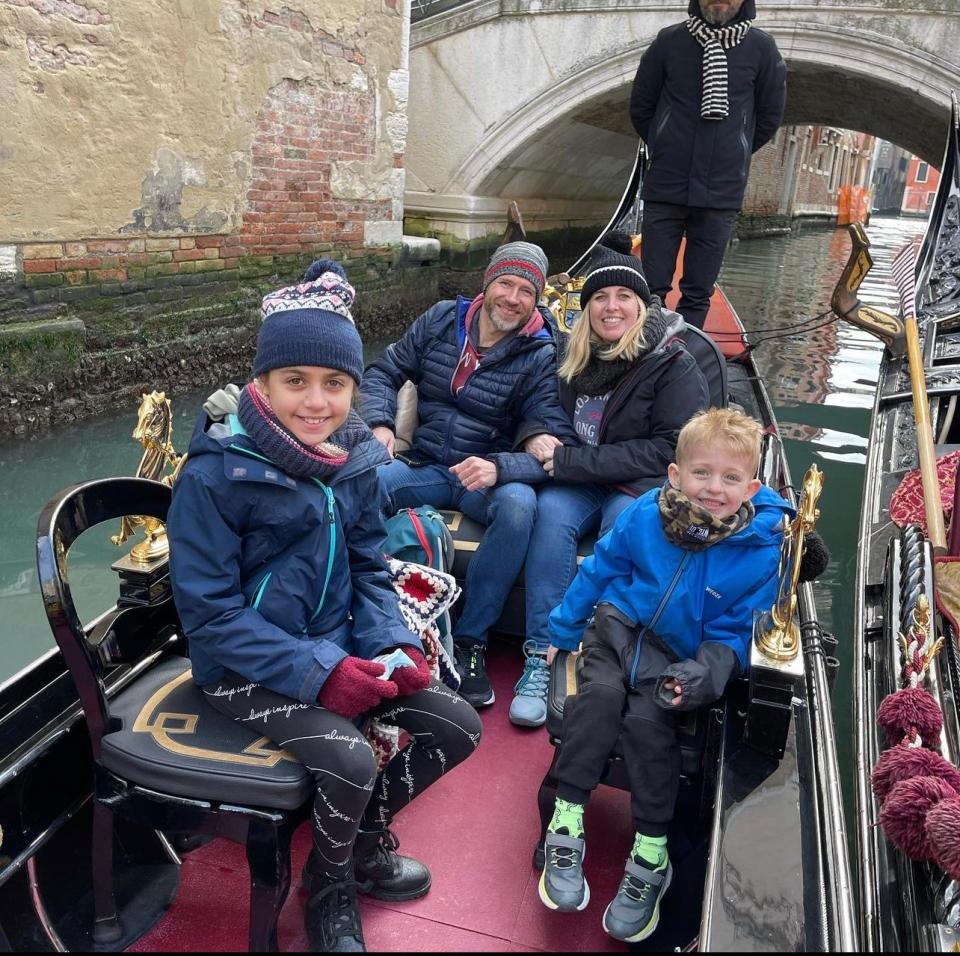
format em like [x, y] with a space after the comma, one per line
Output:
[605, 708]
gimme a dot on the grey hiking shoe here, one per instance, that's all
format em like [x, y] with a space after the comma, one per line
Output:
[634, 912]
[562, 886]
[529, 707]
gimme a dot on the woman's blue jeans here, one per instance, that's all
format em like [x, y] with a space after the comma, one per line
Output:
[508, 512]
[565, 514]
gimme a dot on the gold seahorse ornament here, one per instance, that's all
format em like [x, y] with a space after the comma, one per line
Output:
[779, 634]
[154, 430]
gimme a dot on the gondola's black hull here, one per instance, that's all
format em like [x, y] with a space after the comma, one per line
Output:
[904, 906]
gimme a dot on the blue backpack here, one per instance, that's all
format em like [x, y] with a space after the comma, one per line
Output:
[421, 535]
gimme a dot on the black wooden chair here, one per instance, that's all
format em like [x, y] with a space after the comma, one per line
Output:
[699, 732]
[163, 758]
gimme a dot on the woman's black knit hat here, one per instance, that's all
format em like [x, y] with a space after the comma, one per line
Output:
[611, 266]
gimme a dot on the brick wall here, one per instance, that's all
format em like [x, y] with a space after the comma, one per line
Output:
[218, 157]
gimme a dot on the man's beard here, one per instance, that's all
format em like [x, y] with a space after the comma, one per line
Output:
[718, 19]
[504, 324]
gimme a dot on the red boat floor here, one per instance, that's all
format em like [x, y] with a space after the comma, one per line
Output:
[475, 828]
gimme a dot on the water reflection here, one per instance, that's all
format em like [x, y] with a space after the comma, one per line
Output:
[821, 382]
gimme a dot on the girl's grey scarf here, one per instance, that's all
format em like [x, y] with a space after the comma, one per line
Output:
[287, 452]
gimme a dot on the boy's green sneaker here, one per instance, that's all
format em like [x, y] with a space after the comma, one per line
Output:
[634, 912]
[562, 886]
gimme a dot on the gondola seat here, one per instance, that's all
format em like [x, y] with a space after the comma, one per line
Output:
[698, 732]
[712, 363]
[163, 758]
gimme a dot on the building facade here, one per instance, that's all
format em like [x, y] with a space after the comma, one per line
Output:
[163, 162]
[920, 187]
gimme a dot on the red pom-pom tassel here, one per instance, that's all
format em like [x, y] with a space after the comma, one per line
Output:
[904, 812]
[902, 763]
[912, 708]
[942, 827]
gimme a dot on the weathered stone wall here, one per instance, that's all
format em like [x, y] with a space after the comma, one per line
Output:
[164, 162]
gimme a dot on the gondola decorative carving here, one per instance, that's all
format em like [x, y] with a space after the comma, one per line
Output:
[154, 430]
[778, 636]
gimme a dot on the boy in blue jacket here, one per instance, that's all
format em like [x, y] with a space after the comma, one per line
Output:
[672, 590]
[279, 578]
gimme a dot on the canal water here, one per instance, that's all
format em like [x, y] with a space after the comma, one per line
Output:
[820, 375]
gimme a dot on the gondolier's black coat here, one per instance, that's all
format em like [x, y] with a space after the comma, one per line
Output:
[640, 424]
[516, 381]
[698, 162]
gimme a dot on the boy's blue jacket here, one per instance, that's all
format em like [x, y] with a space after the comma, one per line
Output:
[714, 597]
[250, 548]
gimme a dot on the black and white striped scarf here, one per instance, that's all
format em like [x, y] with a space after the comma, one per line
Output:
[716, 41]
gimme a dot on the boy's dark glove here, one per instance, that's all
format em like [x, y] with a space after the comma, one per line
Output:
[411, 679]
[815, 557]
[701, 681]
[353, 687]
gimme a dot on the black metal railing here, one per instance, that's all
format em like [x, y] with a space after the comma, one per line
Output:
[421, 9]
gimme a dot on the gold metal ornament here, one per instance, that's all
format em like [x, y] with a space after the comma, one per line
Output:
[561, 296]
[154, 430]
[779, 636]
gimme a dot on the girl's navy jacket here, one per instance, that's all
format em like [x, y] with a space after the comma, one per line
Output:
[279, 578]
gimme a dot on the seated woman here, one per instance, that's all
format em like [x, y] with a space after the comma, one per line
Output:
[278, 574]
[629, 386]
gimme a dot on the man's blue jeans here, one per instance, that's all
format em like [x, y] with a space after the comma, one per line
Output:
[565, 513]
[508, 511]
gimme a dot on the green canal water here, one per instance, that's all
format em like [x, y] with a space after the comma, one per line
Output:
[820, 376]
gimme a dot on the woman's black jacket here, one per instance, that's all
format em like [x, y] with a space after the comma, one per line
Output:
[640, 424]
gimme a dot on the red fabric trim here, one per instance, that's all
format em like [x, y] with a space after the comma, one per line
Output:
[422, 535]
[519, 267]
[906, 503]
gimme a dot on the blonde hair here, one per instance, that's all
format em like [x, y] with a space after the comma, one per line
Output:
[740, 434]
[577, 357]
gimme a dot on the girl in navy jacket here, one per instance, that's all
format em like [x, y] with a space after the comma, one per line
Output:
[280, 581]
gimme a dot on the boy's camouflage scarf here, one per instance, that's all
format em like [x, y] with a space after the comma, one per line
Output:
[691, 527]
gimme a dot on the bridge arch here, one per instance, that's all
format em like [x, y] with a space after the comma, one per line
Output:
[531, 143]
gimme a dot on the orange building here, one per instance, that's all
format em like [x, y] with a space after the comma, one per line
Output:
[921, 186]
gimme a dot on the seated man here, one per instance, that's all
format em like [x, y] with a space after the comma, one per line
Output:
[481, 368]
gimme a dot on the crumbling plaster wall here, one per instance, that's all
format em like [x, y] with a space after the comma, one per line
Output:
[138, 117]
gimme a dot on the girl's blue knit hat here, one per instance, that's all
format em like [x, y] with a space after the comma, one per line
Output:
[311, 324]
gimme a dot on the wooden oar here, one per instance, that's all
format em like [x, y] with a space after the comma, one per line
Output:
[898, 336]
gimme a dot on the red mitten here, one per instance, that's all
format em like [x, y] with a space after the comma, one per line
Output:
[353, 687]
[411, 679]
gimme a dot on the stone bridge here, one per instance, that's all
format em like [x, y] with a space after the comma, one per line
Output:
[528, 99]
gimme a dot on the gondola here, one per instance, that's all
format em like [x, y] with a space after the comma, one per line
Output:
[906, 904]
[759, 842]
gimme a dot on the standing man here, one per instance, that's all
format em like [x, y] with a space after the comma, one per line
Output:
[482, 368]
[708, 94]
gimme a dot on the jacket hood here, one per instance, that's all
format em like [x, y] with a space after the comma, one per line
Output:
[674, 327]
[217, 437]
[747, 12]
[767, 525]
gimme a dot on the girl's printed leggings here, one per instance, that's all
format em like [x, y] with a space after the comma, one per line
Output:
[444, 729]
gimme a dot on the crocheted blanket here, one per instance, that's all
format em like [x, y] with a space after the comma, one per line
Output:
[424, 594]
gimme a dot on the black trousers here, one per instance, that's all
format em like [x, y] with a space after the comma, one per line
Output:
[607, 707]
[707, 231]
[444, 730]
